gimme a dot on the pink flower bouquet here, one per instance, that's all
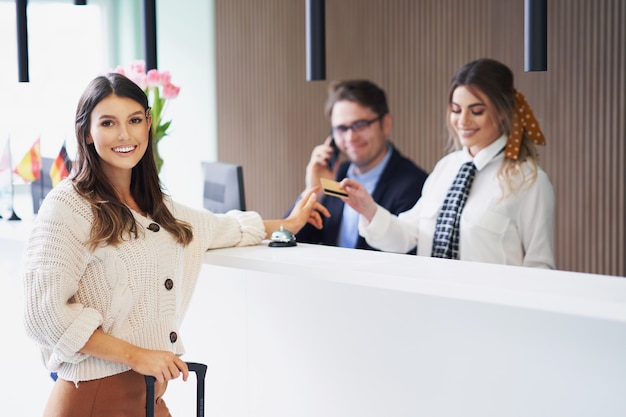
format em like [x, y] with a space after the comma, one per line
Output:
[159, 88]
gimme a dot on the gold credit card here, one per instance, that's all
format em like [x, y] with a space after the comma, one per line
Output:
[331, 187]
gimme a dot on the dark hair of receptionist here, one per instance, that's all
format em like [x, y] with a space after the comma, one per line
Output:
[113, 221]
[363, 92]
[495, 81]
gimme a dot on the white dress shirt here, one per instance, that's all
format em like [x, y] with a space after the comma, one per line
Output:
[516, 230]
[349, 231]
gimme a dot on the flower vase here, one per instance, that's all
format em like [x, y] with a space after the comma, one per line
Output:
[155, 151]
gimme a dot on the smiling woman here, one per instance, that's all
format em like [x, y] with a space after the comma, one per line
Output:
[119, 133]
[120, 259]
[474, 119]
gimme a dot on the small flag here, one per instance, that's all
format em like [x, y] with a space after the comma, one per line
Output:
[6, 176]
[29, 167]
[5, 159]
[60, 167]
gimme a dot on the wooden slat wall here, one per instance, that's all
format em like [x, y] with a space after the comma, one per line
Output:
[270, 117]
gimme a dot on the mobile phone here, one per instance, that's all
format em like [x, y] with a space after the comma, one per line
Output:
[334, 156]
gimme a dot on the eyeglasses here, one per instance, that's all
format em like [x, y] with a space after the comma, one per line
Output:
[356, 127]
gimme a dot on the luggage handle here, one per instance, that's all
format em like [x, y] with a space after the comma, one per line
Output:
[200, 370]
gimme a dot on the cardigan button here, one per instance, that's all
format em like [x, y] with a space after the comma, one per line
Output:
[169, 284]
[173, 337]
[154, 227]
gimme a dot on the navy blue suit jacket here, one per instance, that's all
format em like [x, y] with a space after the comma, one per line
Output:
[398, 189]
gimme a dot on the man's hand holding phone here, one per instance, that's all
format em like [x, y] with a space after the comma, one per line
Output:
[334, 156]
[323, 163]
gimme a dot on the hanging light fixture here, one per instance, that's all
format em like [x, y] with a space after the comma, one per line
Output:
[535, 35]
[150, 35]
[22, 41]
[315, 40]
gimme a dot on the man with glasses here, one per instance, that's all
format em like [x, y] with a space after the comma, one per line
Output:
[361, 124]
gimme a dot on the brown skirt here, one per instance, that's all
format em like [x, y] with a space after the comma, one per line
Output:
[122, 395]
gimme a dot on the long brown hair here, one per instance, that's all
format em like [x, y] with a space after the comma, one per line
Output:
[495, 80]
[113, 220]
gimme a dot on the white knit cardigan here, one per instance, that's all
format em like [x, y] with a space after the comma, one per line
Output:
[126, 289]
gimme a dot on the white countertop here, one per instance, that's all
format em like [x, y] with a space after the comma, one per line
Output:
[598, 296]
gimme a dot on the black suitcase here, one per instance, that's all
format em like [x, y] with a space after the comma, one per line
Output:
[199, 369]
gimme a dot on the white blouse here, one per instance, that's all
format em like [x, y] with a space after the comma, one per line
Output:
[516, 230]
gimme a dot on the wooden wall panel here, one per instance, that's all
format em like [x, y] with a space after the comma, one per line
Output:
[270, 117]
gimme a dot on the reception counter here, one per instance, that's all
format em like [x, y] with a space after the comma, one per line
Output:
[320, 331]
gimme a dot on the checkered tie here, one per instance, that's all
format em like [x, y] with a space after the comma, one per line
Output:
[446, 239]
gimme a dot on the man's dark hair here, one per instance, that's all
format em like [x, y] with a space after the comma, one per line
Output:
[363, 92]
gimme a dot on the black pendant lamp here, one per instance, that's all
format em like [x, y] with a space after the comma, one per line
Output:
[315, 40]
[22, 41]
[535, 35]
[150, 36]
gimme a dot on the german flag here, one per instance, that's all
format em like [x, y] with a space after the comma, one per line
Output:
[29, 167]
[60, 166]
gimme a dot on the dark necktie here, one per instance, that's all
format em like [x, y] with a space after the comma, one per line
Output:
[446, 238]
